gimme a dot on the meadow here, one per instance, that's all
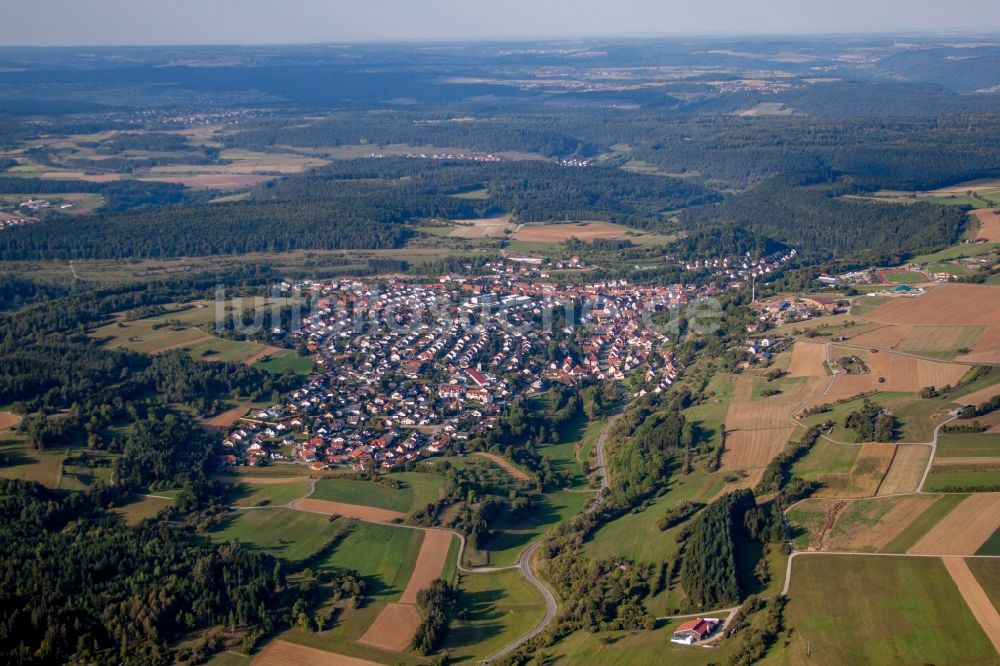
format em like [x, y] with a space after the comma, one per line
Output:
[416, 491]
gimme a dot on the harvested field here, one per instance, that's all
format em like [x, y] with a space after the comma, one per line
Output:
[430, 564]
[757, 415]
[507, 466]
[901, 373]
[283, 653]
[742, 387]
[490, 227]
[974, 595]
[394, 628]
[747, 449]
[870, 525]
[907, 468]
[263, 354]
[986, 349]
[752, 478]
[981, 462]
[865, 476]
[885, 337]
[980, 396]
[557, 233]
[947, 305]
[989, 224]
[226, 418]
[941, 338]
[328, 508]
[8, 420]
[965, 529]
[807, 359]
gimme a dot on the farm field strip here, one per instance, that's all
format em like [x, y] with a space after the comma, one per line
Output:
[989, 224]
[906, 470]
[865, 477]
[747, 449]
[369, 513]
[964, 529]
[807, 359]
[980, 605]
[757, 415]
[947, 305]
[986, 349]
[282, 653]
[515, 472]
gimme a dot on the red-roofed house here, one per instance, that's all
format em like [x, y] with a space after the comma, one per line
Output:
[694, 630]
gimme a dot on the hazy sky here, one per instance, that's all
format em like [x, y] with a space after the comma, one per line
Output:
[87, 22]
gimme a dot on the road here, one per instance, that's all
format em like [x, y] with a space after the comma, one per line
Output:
[524, 563]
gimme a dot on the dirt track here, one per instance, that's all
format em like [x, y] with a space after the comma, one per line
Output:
[963, 530]
[283, 653]
[974, 595]
[328, 508]
[394, 628]
[505, 464]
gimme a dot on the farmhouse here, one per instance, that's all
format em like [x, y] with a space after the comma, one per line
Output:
[694, 630]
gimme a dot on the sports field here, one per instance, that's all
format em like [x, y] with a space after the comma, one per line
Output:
[846, 609]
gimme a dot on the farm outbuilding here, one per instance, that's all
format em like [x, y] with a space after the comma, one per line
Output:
[694, 630]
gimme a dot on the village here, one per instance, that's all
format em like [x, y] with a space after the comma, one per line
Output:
[406, 369]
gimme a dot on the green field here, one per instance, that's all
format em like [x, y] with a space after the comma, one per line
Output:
[959, 201]
[384, 555]
[141, 508]
[987, 572]
[635, 536]
[991, 547]
[972, 481]
[27, 464]
[500, 607]
[825, 457]
[261, 494]
[279, 363]
[968, 445]
[286, 533]
[416, 490]
[879, 610]
[924, 522]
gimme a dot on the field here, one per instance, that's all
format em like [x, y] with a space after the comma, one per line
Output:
[989, 224]
[968, 445]
[283, 653]
[756, 415]
[865, 476]
[840, 607]
[366, 513]
[500, 607]
[289, 534]
[516, 473]
[984, 477]
[986, 349]
[141, 508]
[584, 231]
[866, 525]
[979, 603]
[964, 529]
[947, 305]
[807, 360]
[746, 449]
[24, 462]
[980, 396]
[416, 491]
[900, 373]
[262, 492]
[826, 457]
[907, 469]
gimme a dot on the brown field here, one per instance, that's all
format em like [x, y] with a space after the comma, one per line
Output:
[866, 475]
[210, 181]
[947, 305]
[283, 653]
[8, 420]
[514, 472]
[369, 513]
[901, 373]
[974, 595]
[757, 415]
[752, 478]
[980, 396]
[80, 175]
[226, 418]
[394, 628]
[430, 563]
[879, 533]
[963, 530]
[257, 480]
[807, 359]
[557, 233]
[742, 387]
[940, 338]
[989, 224]
[265, 353]
[885, 337]
[747, 449]
[907, 468]
[984, 463]
[986, 349]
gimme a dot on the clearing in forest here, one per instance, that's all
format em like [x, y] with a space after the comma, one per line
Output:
[557, 233]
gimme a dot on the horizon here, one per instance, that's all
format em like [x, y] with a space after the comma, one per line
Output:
[117, 23]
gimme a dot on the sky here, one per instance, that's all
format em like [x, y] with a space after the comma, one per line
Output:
[138, 22]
